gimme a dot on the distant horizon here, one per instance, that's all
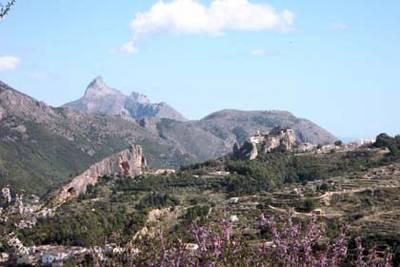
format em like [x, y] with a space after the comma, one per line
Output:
[329, 63]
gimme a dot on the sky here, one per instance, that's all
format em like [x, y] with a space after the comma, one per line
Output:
[336, 63]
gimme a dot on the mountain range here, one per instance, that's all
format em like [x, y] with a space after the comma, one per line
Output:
[42, 147]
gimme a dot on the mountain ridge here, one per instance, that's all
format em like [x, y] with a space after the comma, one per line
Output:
[101, 98]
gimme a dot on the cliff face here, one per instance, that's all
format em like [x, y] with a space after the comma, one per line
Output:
[130, 162]
[281, 139]
[277, 140]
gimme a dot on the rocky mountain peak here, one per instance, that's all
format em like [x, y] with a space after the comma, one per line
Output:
[98, 88]
[99, 81]
[101, 98]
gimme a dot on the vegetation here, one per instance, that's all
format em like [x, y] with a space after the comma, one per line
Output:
[41, 166]
[392, 143]
[5, 8]
[156, 201]
[272, 171]
[117, 208]
[92, 225]
[308, 205]
[291, 244]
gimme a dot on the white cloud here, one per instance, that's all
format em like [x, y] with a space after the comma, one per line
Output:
[340, 27]
[8, 63]
[193, 17]
[258, 52]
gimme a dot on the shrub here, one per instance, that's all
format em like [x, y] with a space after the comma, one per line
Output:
[338, 143]
[308, 205]
[291, 244]
[157, 201]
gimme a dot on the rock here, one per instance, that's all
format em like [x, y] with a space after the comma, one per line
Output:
[158, 214]
[282, 139]
[130, 162]
[6, 194]
[277, 140]
[247, 151]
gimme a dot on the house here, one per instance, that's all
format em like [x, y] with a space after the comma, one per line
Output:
[191, 246]
[233, 200]
[47, 259]
[234, 218]
[4, 257]
[305, 147]
[164, 171]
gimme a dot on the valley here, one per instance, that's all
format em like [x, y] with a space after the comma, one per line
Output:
[356, 188]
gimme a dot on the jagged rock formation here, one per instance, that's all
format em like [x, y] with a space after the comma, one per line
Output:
[100, 98]
[277, 140]
[130, 162]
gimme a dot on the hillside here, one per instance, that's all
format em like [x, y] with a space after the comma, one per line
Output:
[236, 124]
[216, 134]
[354, 188]
[41, 146]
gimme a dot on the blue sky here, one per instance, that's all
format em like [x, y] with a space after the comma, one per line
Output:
[335, 62]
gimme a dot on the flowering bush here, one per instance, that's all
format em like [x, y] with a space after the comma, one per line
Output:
[291, 244]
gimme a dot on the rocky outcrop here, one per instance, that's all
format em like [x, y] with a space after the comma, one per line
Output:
[130, 162]
[278, 139]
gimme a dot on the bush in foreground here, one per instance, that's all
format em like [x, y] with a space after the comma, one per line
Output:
[216, 245]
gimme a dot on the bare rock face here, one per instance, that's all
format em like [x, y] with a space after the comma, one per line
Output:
[130, 162]
[282, 139]
[247, 151]
[2, 113]
[277, 140]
